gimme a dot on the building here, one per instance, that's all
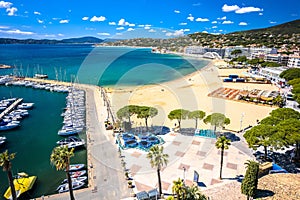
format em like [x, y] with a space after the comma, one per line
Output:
[204, 50]
[272, 74]
[294, 61]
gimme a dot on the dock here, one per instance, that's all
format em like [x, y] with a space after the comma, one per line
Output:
[11, 107]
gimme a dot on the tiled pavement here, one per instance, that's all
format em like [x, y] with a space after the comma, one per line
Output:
[192, 153]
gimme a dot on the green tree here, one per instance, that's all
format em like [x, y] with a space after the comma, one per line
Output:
[290, 74]
[217, 120]
[146, 112]
[127, 111]
[196, 115]
[157, 160]
[193, 193]
[178, 114]
[5, 163]
[278, 101]
[178, 188]
[262, 135]
[294, 81]
[222, 143]
[60, 158]
[236, 52]
[249, 183]
[289, 131]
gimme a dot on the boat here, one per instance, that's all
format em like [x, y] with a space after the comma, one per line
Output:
[8, 126]
[71, 142]
[77, 173]
[69, 131]
[76, 167]
[65, 187]
[80, 179]
[22, 184]
[41, 76]
[25, 106]
[2, 140]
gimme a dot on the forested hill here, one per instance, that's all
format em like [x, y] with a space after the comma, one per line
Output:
[81, 40]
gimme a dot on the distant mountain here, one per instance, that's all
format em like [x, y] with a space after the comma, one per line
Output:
[91, 40]
[81, 40]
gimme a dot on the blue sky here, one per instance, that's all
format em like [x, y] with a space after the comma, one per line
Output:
[58, 19]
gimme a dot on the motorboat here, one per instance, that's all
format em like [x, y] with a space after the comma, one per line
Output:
[22, 184]
[80, 179]
[76, 167]
[2, 140]
[76, 174]
[72, 142]
[65, 187]
[7, 126]
[69, 131]
[25, 106]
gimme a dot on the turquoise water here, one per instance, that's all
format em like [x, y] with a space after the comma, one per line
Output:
[105, 66]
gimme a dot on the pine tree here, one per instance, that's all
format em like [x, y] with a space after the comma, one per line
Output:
[249, 184]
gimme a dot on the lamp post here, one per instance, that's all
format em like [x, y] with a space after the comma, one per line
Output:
[184, 175]
[241, 124]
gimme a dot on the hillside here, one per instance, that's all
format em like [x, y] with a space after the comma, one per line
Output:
[81, 40]
[284, 35]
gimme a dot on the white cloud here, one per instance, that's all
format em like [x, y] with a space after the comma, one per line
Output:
[190, 17]
[131, 25]
[4, 27]
[40, 21]
[119, 33]
[18, 32]
[103, 34]
[227, 22]
[214, 27]
[176, 11]
[11, 11]
[50, 22]
[112, 23]
[227, 8]
[186, 30]
[271, 22]
[64, 21]
[247, 10]
[4, 4]
[176, 33]
[182, 23]
[141, 25]
[147, 27]
[130, 29]
[121, 22]
[60, 35]
[204, 32]
[243, 24]
[222, 18]
[214, 22]
[98, 19]
[120, 28]
[164, 31]
[260, 14]
[56, 18]
[199, 19]
[85, 18]
[50, 35]
[152, 31]
[36, 13]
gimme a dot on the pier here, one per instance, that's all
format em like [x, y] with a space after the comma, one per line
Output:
[11, 107]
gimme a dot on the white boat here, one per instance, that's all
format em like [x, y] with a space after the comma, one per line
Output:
[65, 187]
[80, 179]
[77, 173]
[75, 144]
[68, 140]
[2, 140]
[76, 167]
[71, 131]
[8, 126]
[25, 106]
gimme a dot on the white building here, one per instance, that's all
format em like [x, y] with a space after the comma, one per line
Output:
[294, 62]
[272, 74]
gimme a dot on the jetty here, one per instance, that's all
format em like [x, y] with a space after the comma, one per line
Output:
[11, 107]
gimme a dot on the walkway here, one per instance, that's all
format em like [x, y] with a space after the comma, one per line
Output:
[12, 106]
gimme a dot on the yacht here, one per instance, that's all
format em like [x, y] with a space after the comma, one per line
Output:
[65, 187]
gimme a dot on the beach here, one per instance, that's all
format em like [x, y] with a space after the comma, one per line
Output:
[190, 92]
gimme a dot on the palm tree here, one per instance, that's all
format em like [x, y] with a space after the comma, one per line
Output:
[178, 188]
[60, 158]
[222, 143]
[193, 193]
[157, 160]
[5, 163]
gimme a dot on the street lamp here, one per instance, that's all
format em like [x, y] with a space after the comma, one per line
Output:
[242, 117]
[184, 169]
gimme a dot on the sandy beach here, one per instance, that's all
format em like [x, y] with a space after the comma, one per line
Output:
[191, 93]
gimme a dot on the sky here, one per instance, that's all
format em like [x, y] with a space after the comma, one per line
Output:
[59, 19]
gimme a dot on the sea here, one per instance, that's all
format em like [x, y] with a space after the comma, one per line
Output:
[104, 66]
